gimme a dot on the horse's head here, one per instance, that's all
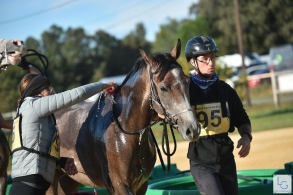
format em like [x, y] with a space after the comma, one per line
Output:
[169, 92]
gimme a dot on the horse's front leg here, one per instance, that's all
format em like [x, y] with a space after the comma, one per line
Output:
[121, 184]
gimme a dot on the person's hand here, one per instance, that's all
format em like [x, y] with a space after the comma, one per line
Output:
[244, 143]
[24, 64]
[70, 167]
[110, 87]
[11, 52]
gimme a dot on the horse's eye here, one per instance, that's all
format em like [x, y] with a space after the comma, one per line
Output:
[163, 89]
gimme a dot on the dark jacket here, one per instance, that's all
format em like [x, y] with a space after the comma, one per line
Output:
[223, 105]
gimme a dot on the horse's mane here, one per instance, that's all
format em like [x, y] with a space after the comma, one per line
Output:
[164, 64]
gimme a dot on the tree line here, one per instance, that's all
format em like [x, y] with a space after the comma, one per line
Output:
[76, 58]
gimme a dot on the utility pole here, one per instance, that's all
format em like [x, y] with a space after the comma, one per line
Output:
[240, 48]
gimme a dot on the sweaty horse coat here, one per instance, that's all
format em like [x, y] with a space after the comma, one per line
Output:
[110, 138]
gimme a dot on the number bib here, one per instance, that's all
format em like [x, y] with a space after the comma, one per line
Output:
[210, 116]
[55, 146]
[16, 139]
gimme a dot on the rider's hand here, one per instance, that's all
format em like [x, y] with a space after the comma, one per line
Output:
[24, 64]
[11, 52]
[244, 143]
[110, 87]
[70, 167]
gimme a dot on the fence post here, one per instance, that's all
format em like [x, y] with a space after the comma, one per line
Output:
[274, 88]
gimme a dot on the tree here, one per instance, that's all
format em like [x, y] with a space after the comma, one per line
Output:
[69, 57]
[123, 56]
[9, 88]
[265, 23]
[189, 29]
[102, 47]
[167, 37]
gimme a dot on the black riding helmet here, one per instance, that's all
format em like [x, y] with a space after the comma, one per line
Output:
[200, 45]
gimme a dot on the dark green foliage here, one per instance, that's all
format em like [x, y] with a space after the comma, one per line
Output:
[264, 23]
[76, 58]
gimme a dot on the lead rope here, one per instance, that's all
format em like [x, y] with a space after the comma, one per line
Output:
[167, 153]
[95, 192]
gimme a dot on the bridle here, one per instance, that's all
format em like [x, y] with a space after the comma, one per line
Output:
[154, 98]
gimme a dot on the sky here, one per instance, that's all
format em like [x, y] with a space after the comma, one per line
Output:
[29, 18]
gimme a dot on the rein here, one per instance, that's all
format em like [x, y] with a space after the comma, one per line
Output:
[136, 132]
[167, 153]
[153, 97]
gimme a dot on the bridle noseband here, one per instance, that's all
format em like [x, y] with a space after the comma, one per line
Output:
[153, 97]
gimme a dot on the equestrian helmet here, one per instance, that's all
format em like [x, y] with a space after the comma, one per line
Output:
[200, 45]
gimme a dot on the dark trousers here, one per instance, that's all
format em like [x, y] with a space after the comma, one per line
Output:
[214, 180]
[29, 185]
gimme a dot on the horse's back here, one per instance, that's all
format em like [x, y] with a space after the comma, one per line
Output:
[81, 130]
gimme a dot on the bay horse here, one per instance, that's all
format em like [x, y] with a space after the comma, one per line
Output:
[4, 160]
[110, 138]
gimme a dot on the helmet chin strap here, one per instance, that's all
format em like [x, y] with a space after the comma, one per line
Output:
[197, 69]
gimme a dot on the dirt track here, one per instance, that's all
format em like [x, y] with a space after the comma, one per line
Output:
[269, 150]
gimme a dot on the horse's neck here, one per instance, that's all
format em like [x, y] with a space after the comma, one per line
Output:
[135, 104]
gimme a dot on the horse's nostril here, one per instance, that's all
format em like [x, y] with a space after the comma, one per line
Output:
[188, 132]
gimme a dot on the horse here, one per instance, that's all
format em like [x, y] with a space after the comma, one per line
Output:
[110, 138]
[4, 160]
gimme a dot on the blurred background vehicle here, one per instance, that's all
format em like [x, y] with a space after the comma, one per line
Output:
[254, 65]
[259, 76]
[281, 57]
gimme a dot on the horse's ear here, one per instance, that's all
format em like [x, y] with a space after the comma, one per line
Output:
[176, 50]
[149, 59]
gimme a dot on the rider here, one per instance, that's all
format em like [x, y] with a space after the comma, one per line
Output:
[219, 110]
[11, 53]
[36, 143]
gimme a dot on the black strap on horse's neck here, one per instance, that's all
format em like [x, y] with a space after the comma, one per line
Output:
[156, 99]
[164, 137]
[136, 132]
